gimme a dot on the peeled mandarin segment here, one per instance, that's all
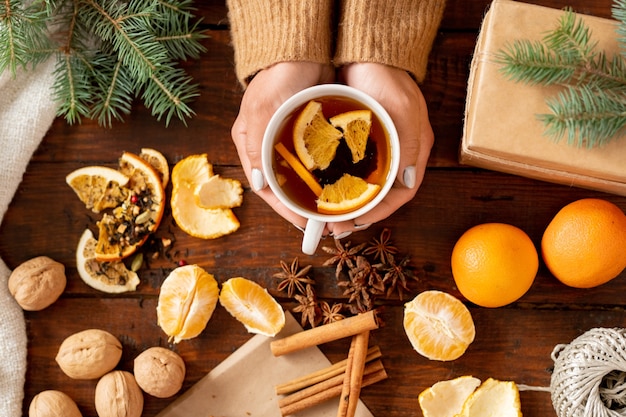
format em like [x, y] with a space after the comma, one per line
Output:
[346, 194]
[158, 161]
[98, 187]
[187, 299]
[297, 166]
[109, 277]
[446, 398]
[195, 220]
[583, 245]
[356, 126]
[315, 140]
[219, 193]
[438, 325]
[493, 398]
[253, 306]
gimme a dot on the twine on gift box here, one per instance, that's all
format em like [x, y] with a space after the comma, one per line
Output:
[589, 378]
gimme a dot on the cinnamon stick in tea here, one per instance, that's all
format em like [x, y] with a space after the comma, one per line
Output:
[351, 388]
[327, 333]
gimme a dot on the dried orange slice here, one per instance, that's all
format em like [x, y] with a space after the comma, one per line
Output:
[187, 299]
[315, 139]
[130, 224]
[346, 194]
[206, 223]
[110, 277]
[253, 306]
[158, 161]
[438, 325]
[356, 126]
[493, 398]
[98, 187]
[446, 398]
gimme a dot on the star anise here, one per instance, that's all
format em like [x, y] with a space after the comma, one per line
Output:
[358, 288]
[381, 248]
[308, 307]
[293, 278]
[331, 314]
[343, 256]
[396, 275]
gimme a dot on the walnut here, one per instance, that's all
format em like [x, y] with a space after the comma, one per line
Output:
[118, 395]
[89, 354]
[52, 403]
[37, 283]
[160, 372]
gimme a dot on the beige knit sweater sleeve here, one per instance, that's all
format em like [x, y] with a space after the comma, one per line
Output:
[265, 32]
[399, 33]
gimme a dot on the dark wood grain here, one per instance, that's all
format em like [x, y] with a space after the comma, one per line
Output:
[512, 343]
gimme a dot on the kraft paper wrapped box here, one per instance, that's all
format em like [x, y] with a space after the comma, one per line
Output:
[502, 131]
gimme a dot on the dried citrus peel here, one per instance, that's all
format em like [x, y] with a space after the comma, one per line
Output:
[300, 169]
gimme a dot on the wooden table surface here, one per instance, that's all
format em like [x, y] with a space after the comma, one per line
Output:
[512, 343]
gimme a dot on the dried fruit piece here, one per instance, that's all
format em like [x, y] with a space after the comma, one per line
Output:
[98, 187]
[130, 224]
[253, 306]
[206, 223]
[37, 283]
[438, 325]
[158, 161]
[110, 277]
[160, 372]
[187, 299]
[118, 395]
[53, 403]
[89, 354]
[446, 398]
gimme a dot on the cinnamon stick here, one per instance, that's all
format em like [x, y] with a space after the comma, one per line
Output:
[351, 388]
[313, 378]
[327, 333]
[329, 393]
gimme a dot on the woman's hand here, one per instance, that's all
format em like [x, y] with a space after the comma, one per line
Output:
[400, 95]
[265, 93]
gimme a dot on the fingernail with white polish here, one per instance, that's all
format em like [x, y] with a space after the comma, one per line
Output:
[362, 226]
[258, 180]
[408, 176]
[342, 235]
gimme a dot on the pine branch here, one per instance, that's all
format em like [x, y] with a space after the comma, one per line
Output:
[591, 109]
[109, 52]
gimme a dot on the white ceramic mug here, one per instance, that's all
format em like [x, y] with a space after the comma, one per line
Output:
[317, 221]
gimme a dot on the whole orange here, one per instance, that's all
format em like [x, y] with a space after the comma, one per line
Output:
[494, 264]
[584, 244]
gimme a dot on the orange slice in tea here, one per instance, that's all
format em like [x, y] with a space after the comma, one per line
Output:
[98, 187]
[346, 194]
[253, 306]
[187, 299]
[438, 325]
[356, 126]
[315, 140]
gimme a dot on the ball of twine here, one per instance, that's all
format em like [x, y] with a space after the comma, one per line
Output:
[589, 378]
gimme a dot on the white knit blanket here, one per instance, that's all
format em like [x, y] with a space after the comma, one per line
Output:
[26, 113]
